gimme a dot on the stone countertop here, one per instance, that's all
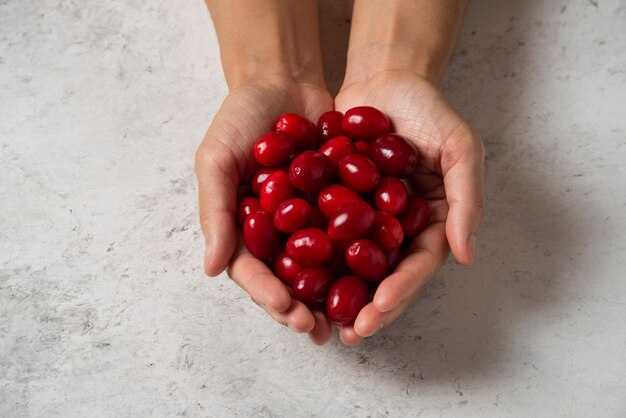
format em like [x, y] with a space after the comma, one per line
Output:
[104, 309]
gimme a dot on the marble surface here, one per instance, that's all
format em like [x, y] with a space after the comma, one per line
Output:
[104, 309]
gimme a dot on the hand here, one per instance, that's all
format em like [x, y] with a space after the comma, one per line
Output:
[223, 161]
[449, 175]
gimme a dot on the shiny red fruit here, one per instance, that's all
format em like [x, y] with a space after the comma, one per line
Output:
[309, 247]
[391, 195]
[310, 171]
[275, 190]
[291, 215]
[394, 155]
[329, 125]
[335, 196]
[337, 148]
[302, 130]
[364, 148]
[247, 206]
[312, 284]
[260, 236]
[274, 148]
[367, 260]
[285, 268]
[346, 298]
[386, 231]
[261, 175]
[415, 217]
[358, 173]
[351, 221]
[365, 122]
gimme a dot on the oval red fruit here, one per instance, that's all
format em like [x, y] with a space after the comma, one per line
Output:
[312, 284]
[358, 173]
[275, 190]
[337, 148]
[261, 175]
[391, 195]
[365, 122]
[386, 231]
[367, 260]
[285, 268]
[346, 298]
[310, 171]
[309, 246]
[291, 215]
[351, 221]
[394, 155]
[329, 125]
[274, 148]
[335, 196]
[260, 236]
[302, 130]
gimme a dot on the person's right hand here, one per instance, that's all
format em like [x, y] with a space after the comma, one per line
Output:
[223, 162]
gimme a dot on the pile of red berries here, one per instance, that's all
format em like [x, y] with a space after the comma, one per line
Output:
[330, 211]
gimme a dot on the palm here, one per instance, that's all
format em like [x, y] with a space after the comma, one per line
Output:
[421, 114]
[223, 164]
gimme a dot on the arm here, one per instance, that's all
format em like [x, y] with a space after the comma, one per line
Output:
[272, 63]
[415, 36]
[397, 56]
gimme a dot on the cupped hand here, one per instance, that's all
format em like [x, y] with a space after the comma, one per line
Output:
[223, 162]
[449, 175]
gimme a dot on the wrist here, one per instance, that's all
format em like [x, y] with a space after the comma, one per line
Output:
[369, 61]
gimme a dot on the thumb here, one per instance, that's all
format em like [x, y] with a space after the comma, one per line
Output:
[462, 168]
[216, 170]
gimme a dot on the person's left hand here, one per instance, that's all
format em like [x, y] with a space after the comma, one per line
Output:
[449, 175]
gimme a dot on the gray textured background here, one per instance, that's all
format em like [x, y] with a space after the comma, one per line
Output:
[104, 310]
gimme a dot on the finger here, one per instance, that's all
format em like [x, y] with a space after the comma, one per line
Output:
[371, 320]
[252, 275]
[323, 330]
[217, 176]
[462, 168]
[349, 337]
[426, 255]
[298, 317]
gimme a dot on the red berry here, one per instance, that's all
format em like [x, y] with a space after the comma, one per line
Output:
[337, 148]
[345, 300]
[261, 175]
[365, 122]
[367, 260]
[302, 130]
[260, 236]
[285, 268]
[386, 231]
[391, 195]
[394, 155]
[310, 171]
[274, 148]
[309, 246]
[329, 125]
[247, 206]
[276, 189]
[415, 217]
[364, 148]
[358, 173]
[351, 221]
[333, 197]
[312, 284]
[291, 215]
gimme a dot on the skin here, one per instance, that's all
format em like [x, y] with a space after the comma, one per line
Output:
[397, 55]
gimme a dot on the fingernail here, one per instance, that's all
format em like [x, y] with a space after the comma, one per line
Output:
[471, 246]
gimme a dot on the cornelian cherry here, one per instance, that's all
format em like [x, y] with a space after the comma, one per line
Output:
[292, 215]
[274, 148]
[367, 260]
[365, 122]
[247, 206]
[351, 221]
[394, 155]
[335, 196]
[391, 195]
[310, 171]
[386, 230]
[329, 125]
[312, 284]
[309, 246]
[415, 217]
[260, 236]
[337, 148]
[275, 190]
[285, 268]
[301, 129]
[346, 298]
[358, 173]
